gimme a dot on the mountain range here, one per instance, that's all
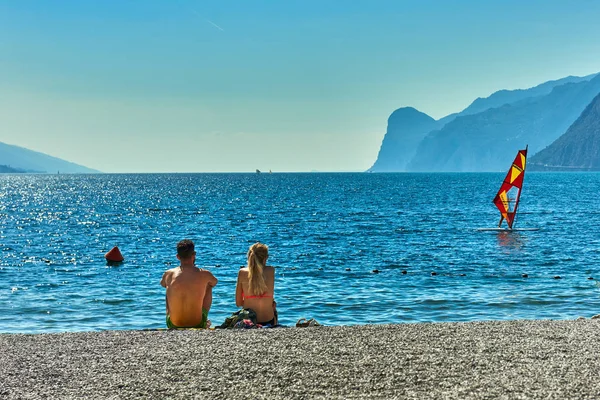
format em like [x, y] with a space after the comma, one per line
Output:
[488, 132]
[559, 120]
[19, 159]
[578, 149]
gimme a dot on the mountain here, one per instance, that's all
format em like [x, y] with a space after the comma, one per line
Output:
[485, 140]
[579, 147]
[502, 97]
[7, 169]
[26, 160]
[406, 128]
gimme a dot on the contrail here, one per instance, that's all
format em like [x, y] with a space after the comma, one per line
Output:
[209, 21]
[213, 24]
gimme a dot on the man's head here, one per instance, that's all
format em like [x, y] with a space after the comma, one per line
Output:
[185, 250]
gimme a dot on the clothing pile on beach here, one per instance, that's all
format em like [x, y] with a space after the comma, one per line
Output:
[244, 319]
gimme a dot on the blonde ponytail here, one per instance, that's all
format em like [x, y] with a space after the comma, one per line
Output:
[257, 258]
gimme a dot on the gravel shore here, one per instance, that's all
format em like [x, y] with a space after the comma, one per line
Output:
[477, 360]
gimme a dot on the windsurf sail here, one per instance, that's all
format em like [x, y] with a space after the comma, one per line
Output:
[507, 198]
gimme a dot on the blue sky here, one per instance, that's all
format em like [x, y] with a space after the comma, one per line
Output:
[196, 86]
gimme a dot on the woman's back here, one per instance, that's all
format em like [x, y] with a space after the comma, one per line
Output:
[260, 303]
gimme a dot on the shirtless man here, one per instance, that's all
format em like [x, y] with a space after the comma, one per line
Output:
[189, 290]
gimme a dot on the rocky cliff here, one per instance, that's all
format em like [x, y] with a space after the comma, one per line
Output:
[578, 149]
[405, 130]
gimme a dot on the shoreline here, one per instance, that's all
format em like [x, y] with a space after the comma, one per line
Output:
[533, 359]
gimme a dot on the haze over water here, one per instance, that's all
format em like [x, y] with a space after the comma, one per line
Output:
[55, 229]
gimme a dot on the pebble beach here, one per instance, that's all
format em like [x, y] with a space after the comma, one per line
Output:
[526, 359]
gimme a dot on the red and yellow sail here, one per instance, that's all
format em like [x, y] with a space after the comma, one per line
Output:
[507, 198]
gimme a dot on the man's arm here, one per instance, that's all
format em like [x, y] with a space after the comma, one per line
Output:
[163, 281]
[212, 281]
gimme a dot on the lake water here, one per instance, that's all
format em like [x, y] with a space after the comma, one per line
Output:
[326, 234]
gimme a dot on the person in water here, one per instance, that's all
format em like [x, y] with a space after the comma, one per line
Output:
[256, 286]
[189, 290]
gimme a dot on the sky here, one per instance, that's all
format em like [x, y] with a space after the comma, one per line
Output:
[232, 86]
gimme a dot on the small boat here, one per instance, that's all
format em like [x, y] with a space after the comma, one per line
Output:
[258, 171]
[507, 198]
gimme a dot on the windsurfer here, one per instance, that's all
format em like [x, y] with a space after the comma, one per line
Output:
[513, 181]
[503, 216]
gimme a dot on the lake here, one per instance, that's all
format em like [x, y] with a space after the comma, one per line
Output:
[327, 234]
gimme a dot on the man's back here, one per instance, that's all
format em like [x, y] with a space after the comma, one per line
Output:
[186, 291]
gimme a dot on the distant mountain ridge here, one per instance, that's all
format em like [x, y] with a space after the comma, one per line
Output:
[578, 149]
[502, 97]
[484, 141]
[469, 140]
[21, 159]
[4, 169]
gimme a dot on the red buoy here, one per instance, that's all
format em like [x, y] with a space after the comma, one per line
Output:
[114, 255]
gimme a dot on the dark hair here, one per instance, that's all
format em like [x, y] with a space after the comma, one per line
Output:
[185, 249]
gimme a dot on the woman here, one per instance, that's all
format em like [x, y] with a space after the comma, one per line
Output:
[256, 285]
